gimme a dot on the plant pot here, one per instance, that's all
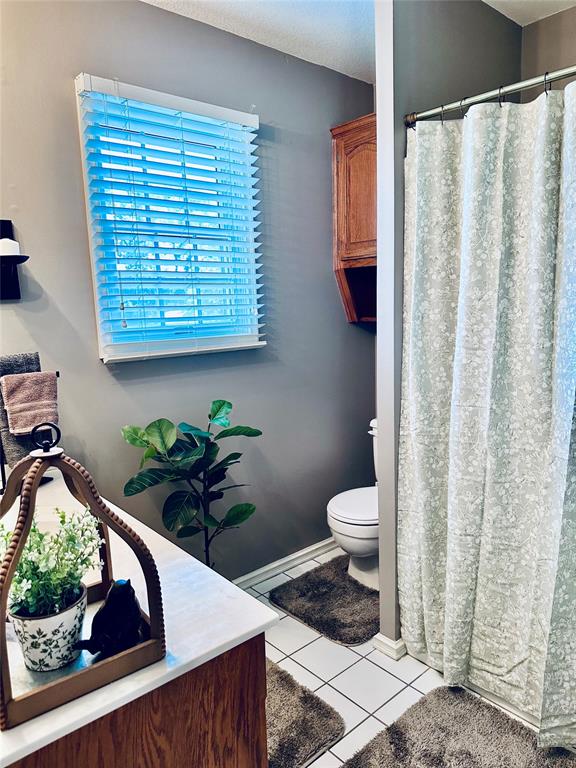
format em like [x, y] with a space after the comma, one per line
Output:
[49, 642]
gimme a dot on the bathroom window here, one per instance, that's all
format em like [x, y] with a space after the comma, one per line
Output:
[171, 205]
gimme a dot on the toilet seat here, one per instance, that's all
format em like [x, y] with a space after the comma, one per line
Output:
[357, 507]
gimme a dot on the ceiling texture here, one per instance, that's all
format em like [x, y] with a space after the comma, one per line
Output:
[338, 34]
[525, 12]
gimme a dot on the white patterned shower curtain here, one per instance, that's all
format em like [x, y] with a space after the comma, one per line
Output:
[487, 470]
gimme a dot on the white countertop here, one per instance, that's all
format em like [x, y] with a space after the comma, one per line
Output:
[205, 615]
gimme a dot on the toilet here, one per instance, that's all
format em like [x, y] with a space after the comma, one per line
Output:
[353, 520]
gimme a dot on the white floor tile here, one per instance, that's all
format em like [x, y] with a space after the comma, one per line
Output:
[325, 658]
[364, 649]
[265, 586]
[428, 681]
[330, 555]
[392, 710]
[264, 599]
[368, 685]
[358, 738]
[351, 712]
[273, 653]
[328, 760]
[301, 675]
[298, 570]
[289, 635]
[407, 668]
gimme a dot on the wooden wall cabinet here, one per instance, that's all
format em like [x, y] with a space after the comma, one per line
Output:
[354, 216]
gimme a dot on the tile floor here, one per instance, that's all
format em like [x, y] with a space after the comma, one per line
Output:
[367, 688]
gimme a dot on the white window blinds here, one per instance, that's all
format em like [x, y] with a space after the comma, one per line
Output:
[171, 201]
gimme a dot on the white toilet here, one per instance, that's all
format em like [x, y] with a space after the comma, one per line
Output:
[353, 520]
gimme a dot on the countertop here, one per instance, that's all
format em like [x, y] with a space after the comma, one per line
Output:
[205, 615]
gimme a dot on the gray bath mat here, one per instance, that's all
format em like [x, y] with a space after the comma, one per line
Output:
[451, 728]
[301, 726]
[331, 602]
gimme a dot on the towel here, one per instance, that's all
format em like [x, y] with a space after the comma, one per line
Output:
[29, 399]
[15, 448]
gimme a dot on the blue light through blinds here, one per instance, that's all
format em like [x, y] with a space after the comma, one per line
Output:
[172, 207]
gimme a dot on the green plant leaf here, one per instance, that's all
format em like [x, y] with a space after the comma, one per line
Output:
[215, 495]
[194, 433]
[214, 478]
[211, 450]
[210, 521]
[161, 434]
[188, 530]
[149, 453]
[238, 431]
[227, 461]
[135, 436]
[180, 509]
[217, 473]
[146, 478]
[238, 514]
[219, 411]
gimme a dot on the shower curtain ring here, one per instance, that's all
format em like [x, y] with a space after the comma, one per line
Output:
[547, 85]
[500, 97]
[442, 114]
[462, 115]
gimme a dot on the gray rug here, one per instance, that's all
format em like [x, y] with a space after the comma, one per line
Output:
[332, 603]
[301, 726]
[451, 728]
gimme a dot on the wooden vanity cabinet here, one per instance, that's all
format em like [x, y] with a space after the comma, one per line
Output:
[354, 216]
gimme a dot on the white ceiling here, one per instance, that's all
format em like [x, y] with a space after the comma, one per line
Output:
[525, 12]
[338, 34]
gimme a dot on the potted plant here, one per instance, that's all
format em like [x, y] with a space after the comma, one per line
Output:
[189, 455]
[47, 599]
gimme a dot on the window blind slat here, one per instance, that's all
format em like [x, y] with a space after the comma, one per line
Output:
[174, 201]
[187, 184]
[173, 209]
[212, 159]
[98, 136]
[216, 218]
[111, 110]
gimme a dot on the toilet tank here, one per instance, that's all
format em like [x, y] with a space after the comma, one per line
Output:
[374, 432]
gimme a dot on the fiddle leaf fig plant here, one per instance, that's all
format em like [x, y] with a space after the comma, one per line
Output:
[190, 455]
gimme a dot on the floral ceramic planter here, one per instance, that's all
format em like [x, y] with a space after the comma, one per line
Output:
[49, 642]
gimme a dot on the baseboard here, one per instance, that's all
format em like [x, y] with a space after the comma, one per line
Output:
[393, 648]
[278, 566]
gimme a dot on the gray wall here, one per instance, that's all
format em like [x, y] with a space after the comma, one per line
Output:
[443, 51]
[547, 45]
[312, 389]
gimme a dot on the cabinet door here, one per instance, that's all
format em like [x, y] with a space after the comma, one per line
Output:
[355, 198]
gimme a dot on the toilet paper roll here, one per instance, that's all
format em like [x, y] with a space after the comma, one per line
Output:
[9, 247]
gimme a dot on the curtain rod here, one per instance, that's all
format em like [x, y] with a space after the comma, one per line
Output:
[411, 118]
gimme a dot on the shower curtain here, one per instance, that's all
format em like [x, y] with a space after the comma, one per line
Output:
[487, 465]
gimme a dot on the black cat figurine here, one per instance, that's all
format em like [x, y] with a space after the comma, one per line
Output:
[117, 624]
